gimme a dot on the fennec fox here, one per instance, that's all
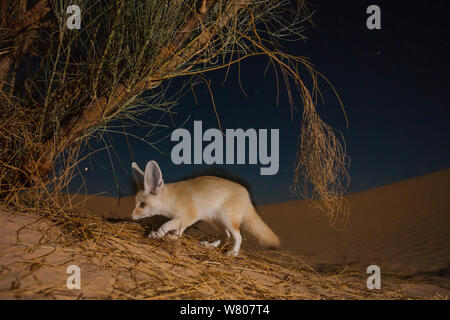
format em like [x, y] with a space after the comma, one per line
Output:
[220, 202]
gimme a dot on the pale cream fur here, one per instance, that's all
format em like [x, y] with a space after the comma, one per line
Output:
[223, 203]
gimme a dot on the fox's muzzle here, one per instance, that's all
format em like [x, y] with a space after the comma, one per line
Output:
[136, 214]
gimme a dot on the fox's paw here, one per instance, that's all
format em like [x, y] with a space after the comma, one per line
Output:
[232, 253]
[213, 244]
[153, 235]
[172, 237]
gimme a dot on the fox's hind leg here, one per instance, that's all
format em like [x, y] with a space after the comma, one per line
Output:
[224, 235]
[213, 244]
[237, 238]
[233, 228]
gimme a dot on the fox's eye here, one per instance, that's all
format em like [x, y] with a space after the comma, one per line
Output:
[142, 204]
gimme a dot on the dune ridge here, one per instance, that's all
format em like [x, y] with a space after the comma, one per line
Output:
[403, 228]
[402, 225]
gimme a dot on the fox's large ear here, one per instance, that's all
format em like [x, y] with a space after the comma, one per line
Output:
[153, 181]
[138, 175]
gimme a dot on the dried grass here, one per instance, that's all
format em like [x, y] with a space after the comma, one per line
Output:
[49, 117]
[185, 269]
[83, 80]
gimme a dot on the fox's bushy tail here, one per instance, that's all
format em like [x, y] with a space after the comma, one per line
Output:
[256, 226]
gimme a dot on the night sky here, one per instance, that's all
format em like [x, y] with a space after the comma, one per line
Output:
[394, 84]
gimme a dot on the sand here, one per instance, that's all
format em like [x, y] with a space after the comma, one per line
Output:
[403, 228]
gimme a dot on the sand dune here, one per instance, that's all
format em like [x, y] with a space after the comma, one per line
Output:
[404, 226]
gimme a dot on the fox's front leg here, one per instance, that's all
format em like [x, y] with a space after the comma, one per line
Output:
[177, 224]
